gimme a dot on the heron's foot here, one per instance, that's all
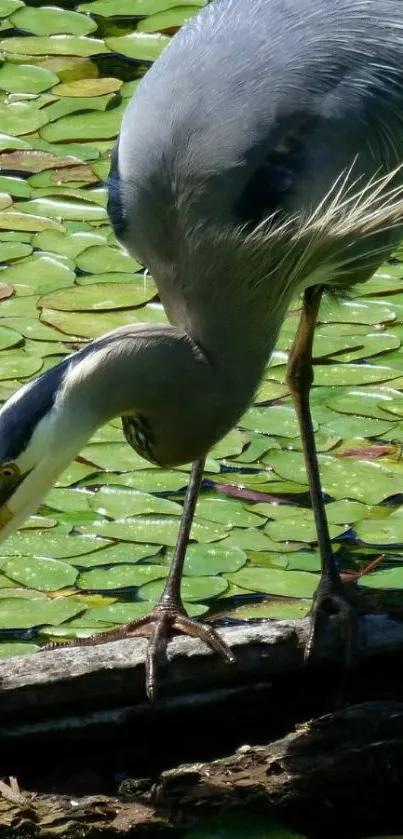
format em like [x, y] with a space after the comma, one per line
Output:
[332, 597]
[159, 626]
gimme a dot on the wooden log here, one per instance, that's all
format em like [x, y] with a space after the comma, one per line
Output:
[86, 680]
[337, 775]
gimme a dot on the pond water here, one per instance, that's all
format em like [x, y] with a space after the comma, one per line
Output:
[97, 552]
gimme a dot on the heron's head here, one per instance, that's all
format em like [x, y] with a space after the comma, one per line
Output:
[39, 436]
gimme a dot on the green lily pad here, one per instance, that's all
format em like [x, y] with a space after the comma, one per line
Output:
[192, 588]
[137, 45]
[26, 78]
[273, 610]
[7, 7]
[40, 574]
[53, 45]
[54, 543]
[88, 87]
[169, 18]
[358, 311]
[95, 324]
[352, 374]
[70, 245]
[145, 480]
[120, 576]
[277, 419]
[18, 613]
[205, 560]
[57, 208]
[34, 272]
[14, 250]
[99, 297]
[226, 511]
[275, 581]
[70, 500]
[16, 364]
[117, 554]
[351, 426]
[94, 125]
[11, 220]
[15, 186]
[129, 8]
[387, 578]
[8, 338]
[50, 20]
[21, 117]
[102, 258]
[119, 503]
[12, 648]
[299, 527]
[160, 529]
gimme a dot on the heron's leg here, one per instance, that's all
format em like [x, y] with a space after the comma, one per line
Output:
[330, 596]
[169, 615]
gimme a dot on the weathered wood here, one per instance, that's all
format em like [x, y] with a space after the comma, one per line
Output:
[341, 772]
[72, 681]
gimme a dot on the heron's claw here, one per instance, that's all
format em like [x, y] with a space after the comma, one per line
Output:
[331, 598]
[159, 625]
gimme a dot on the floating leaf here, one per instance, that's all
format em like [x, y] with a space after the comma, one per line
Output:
[192, 588]
[100, 296]
[169, 18]
[40, 574]
[137, 45]
[53, 207]
[226, 511]
[13, 250]
[272, 610]
[160, 529]
[277, 419]
[12, 648]
[16, 364]
[118, 553]
[19, 613]
[119, 503]
[120, 576]
[53, 44]
[88, 87]
[94, 125]
[21, 117]
[26, 78]
[50, 20]
[275, 581]
[102, 258]
[53, 543]
[8, 338]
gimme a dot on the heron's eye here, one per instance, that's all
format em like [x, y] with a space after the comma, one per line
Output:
[9, 470]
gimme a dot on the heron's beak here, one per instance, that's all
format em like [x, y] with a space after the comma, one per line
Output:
[7, 513]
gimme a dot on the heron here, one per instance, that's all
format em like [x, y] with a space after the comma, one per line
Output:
[259, 159]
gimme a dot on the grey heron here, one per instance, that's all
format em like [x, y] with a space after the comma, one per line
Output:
[260, 158]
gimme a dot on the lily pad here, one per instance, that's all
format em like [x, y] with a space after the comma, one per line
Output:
[12, 648]
[102, 258]
[21, 117]
[192, 588]
[137, 45]
[120, 576]
[275, 581]
[26, 78]
[53, 45]
[40, 574]
[19, 613]
[50, 20]
[88, 87]
[16, 364]
[99, 297]
[94, 125]
[120, 503]
[160, 529]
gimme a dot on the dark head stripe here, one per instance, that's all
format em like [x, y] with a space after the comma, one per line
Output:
[115, 204]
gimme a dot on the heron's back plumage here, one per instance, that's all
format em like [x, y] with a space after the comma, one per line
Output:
[257, 108]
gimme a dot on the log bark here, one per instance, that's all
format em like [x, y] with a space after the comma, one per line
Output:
[340, 774]
[80, 682]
